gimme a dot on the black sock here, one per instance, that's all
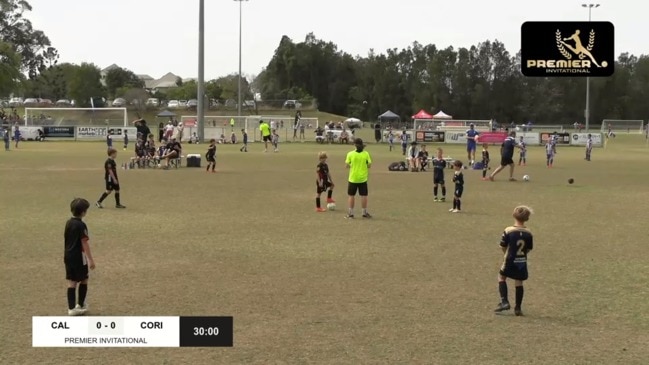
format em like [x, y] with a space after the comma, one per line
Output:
[459, 204]
[117, 198]
[72, 298]
[213, 166]
[83, 291]
[208, 167]
[454, 203]
[484, 173]
[330, 193]
[102, 197]
[317, 202]
[502, 288]
[519, 296]
[443, 191]
[435, 191]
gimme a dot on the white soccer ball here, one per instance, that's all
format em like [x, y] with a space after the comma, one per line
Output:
[526, 177]
[331, 206]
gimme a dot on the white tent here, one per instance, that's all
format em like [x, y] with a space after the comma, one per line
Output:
[442, 115]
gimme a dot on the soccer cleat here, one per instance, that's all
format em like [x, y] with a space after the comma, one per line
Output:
[74, 312]
[512, 179]
[81, 309]
[502, 307]
[349, 216]
[367, 215]
[320, 210]
[435, 200]
[451, 210]
[98, 205]
[213, 171]
[491, 178]
[443, 199]
[330, 201]
[518, 312]
[120, 206]
[455, 211]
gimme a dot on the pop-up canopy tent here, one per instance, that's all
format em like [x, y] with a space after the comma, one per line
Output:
[353, 123]
[389, 116]
[166, 114]
[420, 117]
[442, 115]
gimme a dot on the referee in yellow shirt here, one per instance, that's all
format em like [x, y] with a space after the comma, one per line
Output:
[264, 128]
[358, 162]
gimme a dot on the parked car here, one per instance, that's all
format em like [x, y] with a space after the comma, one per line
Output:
[31, 102]
[292, 104]
[182, 103]
[119, 103]
[192, 104]
[153, 102]
[63, 103]
[230, 103]
[214, 104]
[45, 102]
[248, 103]
[173, 104]
[14, 102]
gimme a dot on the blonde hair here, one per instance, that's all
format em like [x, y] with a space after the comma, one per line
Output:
[522, 213]
[322, 155]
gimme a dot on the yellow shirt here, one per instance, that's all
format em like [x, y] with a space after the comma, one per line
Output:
[265, 129]
[359, 163]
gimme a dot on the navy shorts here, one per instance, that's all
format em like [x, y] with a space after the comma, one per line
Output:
[471, 147]
[458, 191]
[516, 271]
[110, 186]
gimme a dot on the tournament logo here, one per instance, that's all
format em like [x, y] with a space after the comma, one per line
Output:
[567, 49]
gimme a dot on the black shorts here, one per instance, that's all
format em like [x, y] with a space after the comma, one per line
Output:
[110, 186]
[76, 273]
[515, 271]
[458, 191]
[321, 189]
[506, 161]
[360, 188]
[438, 180]
[266, 138]
[210, 158]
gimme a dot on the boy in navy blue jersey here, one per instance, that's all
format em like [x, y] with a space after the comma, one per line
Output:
[244, 148]
[210, 156]
[77, 257]
[516, 243]
[458, 179]
[439, 164]
[110, 177]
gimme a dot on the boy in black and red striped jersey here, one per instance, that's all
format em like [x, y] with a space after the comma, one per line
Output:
[323, 182]
[485, 160]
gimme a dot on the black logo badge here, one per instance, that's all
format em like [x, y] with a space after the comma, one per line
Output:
[567, 49]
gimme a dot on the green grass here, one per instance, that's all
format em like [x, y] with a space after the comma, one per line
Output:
[414, 285]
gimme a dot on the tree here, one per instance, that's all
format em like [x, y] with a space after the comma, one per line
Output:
[32, 45]
[85, 82]
[10, 76]
[119, 78]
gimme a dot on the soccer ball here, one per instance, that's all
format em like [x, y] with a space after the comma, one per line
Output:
[526, 177]
[331, 206]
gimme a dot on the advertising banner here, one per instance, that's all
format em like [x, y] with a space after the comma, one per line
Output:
[579, 139]
[492, 137]
[91, 132]
[397, 135]
[455, 137]
[119, 131]
[530, 138]
[27, 133]
[58, 132]
[429, 136]
[564, 138]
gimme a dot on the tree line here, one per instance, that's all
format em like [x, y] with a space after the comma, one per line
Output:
[480, 82]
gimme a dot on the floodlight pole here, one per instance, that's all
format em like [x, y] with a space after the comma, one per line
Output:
[587, 110]
[240, 32]
[200, 93]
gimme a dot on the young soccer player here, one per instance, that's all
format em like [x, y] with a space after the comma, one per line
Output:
[485, 160]
[109, 141]
[391, 140]
[275, 141]
[126, 139]
[211, 155]
[589, 147]
[323, 182]
[110, 176]
[244, 148]
[404, 142]
[77, 257]
[516, 243]
[523, 152]
[458, 179]
[549, 153]
[439, 164]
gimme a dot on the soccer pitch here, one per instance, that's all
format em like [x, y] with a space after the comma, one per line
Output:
[414, 285]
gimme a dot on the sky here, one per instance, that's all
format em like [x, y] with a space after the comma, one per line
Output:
[154, 37]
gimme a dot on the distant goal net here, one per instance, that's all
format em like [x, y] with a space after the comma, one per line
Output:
[623, 126]
[222, 126]
[94, 117]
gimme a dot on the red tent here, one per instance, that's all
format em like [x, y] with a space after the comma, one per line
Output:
[422, 115]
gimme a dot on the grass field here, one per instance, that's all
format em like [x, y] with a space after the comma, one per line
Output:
[414, 285]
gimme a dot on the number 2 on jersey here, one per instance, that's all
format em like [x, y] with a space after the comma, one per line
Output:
[521, 248]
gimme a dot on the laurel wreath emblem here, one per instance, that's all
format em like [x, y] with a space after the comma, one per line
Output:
[562, 50]
[591, 43]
